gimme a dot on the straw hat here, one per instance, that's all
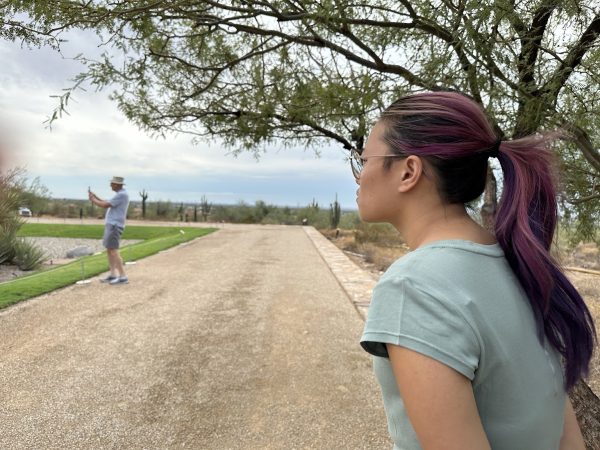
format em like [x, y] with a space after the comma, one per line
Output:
[117, 180]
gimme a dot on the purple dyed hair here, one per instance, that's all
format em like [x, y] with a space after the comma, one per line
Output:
[453, 134]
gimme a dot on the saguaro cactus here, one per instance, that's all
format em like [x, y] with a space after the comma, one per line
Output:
[335, 212]
[205, 207]
[144, 196]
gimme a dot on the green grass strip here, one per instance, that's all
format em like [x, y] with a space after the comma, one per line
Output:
[48, 280]
[94, 231]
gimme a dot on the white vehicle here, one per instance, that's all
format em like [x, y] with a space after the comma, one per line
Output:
[25, 212]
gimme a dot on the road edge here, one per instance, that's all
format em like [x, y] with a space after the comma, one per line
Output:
[356, 282]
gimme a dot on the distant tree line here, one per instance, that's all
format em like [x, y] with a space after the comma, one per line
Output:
[37, 197]
[205, 211]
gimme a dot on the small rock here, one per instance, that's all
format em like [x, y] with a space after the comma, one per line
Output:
[79, 251]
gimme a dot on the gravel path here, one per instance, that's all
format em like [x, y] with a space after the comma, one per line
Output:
[242, 339]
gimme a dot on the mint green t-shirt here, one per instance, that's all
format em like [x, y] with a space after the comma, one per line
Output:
[459, 303]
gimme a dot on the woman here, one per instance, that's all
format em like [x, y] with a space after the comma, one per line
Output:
[476, 336]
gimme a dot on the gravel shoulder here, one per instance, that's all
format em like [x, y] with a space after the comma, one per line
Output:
[57, 248]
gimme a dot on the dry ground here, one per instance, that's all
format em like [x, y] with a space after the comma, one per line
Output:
[376, 258]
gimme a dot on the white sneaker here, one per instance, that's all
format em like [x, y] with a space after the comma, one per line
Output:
[119, 280]
[108, 279]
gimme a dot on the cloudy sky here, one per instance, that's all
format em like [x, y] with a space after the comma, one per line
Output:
[95, 142]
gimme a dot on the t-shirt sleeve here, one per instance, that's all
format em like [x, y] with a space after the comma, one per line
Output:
[118, 199]
[404, 314]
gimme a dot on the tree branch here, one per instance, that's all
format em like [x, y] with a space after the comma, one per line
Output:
[577, 201]
[581, 138]
[349, 55]
[573, 58]
[531, 41]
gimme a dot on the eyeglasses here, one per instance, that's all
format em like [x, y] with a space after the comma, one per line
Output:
[357, 162]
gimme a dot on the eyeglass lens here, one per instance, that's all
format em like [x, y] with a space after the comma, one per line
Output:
[356, 163]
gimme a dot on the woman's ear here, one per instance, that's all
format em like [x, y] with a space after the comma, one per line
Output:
[410, 173]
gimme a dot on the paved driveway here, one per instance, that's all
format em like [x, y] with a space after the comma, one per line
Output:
[243, 339]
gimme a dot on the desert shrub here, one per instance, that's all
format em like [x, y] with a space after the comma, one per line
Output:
[349, 220]
[269, 220]
[8, 238]
[350, 246]
[315, 216]
[7, 246]
[369, 255]
[380, 233]
[10, 222]
[27, 255]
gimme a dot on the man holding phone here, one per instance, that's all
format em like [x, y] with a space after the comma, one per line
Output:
[113, 229]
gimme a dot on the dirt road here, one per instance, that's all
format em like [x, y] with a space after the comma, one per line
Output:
[242, 339]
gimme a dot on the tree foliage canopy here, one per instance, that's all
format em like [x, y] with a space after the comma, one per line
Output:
[307, 70]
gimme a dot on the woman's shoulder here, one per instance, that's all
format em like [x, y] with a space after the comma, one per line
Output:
[444, 256]
[451, 271]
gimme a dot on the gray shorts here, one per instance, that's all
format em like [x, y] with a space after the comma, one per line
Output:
[112, 236]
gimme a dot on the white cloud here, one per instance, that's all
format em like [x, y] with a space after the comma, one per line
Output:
[95, 142]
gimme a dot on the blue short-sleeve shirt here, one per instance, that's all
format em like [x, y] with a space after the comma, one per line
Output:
[117, 213]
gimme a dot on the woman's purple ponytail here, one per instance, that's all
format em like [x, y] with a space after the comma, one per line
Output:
[453, 134]
[524, 226]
